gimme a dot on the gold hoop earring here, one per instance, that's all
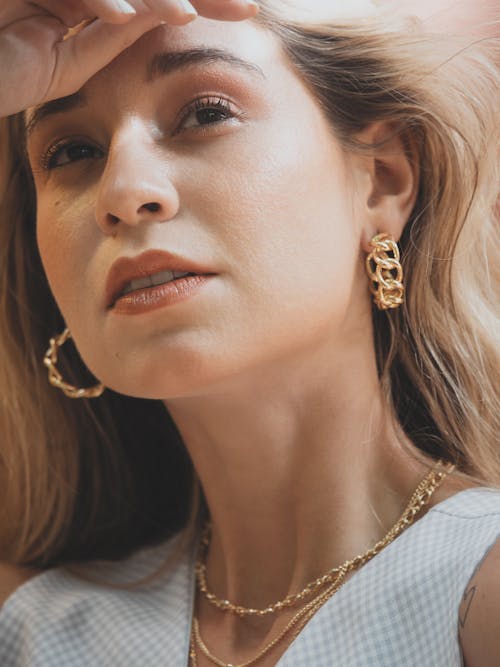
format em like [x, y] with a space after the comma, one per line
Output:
[55, 377]
[385, 272]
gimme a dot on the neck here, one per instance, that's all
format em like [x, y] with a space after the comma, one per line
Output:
[299, 474]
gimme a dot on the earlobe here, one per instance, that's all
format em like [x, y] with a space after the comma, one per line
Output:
[392, 183]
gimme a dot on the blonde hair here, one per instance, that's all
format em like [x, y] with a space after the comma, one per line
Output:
[80, 481]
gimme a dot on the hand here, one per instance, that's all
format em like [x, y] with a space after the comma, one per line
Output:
[41, 60]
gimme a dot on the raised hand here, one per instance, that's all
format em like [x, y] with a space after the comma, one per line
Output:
[40, 61]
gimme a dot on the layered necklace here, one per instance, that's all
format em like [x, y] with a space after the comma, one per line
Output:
[312, 596]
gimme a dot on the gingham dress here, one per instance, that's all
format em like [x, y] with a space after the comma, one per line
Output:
[399, 610]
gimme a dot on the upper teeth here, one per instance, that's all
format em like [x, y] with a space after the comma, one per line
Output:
[155, 279]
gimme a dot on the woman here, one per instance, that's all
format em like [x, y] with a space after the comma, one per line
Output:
[272, 243]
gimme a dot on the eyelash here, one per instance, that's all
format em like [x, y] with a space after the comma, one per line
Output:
[205, 103]
[220, 104]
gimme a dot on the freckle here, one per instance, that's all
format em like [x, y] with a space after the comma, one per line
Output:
[56, 204]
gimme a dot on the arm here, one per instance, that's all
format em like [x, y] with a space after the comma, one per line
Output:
[479, 618]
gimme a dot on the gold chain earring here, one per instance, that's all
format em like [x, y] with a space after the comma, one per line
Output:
[55, 377]
[386, 271]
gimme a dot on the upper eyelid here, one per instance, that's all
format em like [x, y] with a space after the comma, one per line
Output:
[63, 144]
[207, 71]
[189, 108]
[66, 115]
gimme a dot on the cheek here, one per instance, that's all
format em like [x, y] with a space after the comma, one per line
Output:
[287, 222]
[64, 246]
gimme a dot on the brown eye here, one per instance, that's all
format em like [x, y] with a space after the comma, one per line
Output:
[207, 111]
[60, 155]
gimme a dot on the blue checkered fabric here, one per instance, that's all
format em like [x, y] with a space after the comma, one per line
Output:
[399, 610]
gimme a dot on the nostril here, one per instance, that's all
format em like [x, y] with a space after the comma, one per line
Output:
[152, 207]
[129, 217]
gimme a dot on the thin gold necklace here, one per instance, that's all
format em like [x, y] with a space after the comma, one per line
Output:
[335, 577]
[296, 623]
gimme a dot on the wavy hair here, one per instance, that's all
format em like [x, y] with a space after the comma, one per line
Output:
[98, 479]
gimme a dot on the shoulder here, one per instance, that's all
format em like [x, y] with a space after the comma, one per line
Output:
[143, 568]
[480, 610]
[465, 547]
[11, 578]
[466, 501]
[146, 596]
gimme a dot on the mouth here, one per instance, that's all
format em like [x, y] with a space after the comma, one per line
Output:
[160, 278]
[147, 272]
[145, 299]
[144, 286]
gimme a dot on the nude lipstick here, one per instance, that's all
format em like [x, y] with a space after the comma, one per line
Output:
[154, 279]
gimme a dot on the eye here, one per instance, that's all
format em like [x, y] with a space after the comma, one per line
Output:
[207, 111]
[66, 152]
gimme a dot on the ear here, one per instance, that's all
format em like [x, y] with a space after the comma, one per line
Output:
[389, 183]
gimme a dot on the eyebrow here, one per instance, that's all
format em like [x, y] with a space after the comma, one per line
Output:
[169, 61]
[61, 105]
[161, 64]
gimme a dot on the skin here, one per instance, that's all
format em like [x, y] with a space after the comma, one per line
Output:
[273, 387]
[54, 47]
[478, 618]
[269, 373]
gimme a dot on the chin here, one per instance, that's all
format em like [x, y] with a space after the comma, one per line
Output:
[163, 381]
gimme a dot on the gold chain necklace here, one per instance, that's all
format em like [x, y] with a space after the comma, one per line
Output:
[298, 620]
[335, 577]
[226, 605]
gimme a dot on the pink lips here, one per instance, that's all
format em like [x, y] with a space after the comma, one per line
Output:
[126, 269]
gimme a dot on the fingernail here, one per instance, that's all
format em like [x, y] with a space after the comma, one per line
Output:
[253, 5]
[187, 8]
[124, 7]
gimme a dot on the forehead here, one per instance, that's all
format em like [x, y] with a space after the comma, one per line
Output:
[244, 45]
[244, 39]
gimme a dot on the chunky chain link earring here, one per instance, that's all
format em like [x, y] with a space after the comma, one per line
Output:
[385, 272]
[55, 377]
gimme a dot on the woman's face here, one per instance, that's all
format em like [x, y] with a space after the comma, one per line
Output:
[231, 166]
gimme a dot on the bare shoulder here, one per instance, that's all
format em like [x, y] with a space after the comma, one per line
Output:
[11, 577]
[479, 617]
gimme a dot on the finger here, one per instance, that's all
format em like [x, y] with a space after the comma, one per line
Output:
[226, 10]
[111, 11]
[94, 47]
[70, 12]
[175, 12]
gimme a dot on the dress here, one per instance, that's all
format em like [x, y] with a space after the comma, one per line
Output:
[398, 610]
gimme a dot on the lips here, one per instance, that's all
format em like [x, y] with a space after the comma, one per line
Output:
[148, 263]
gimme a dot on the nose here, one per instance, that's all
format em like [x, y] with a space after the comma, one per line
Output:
[135, 186]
